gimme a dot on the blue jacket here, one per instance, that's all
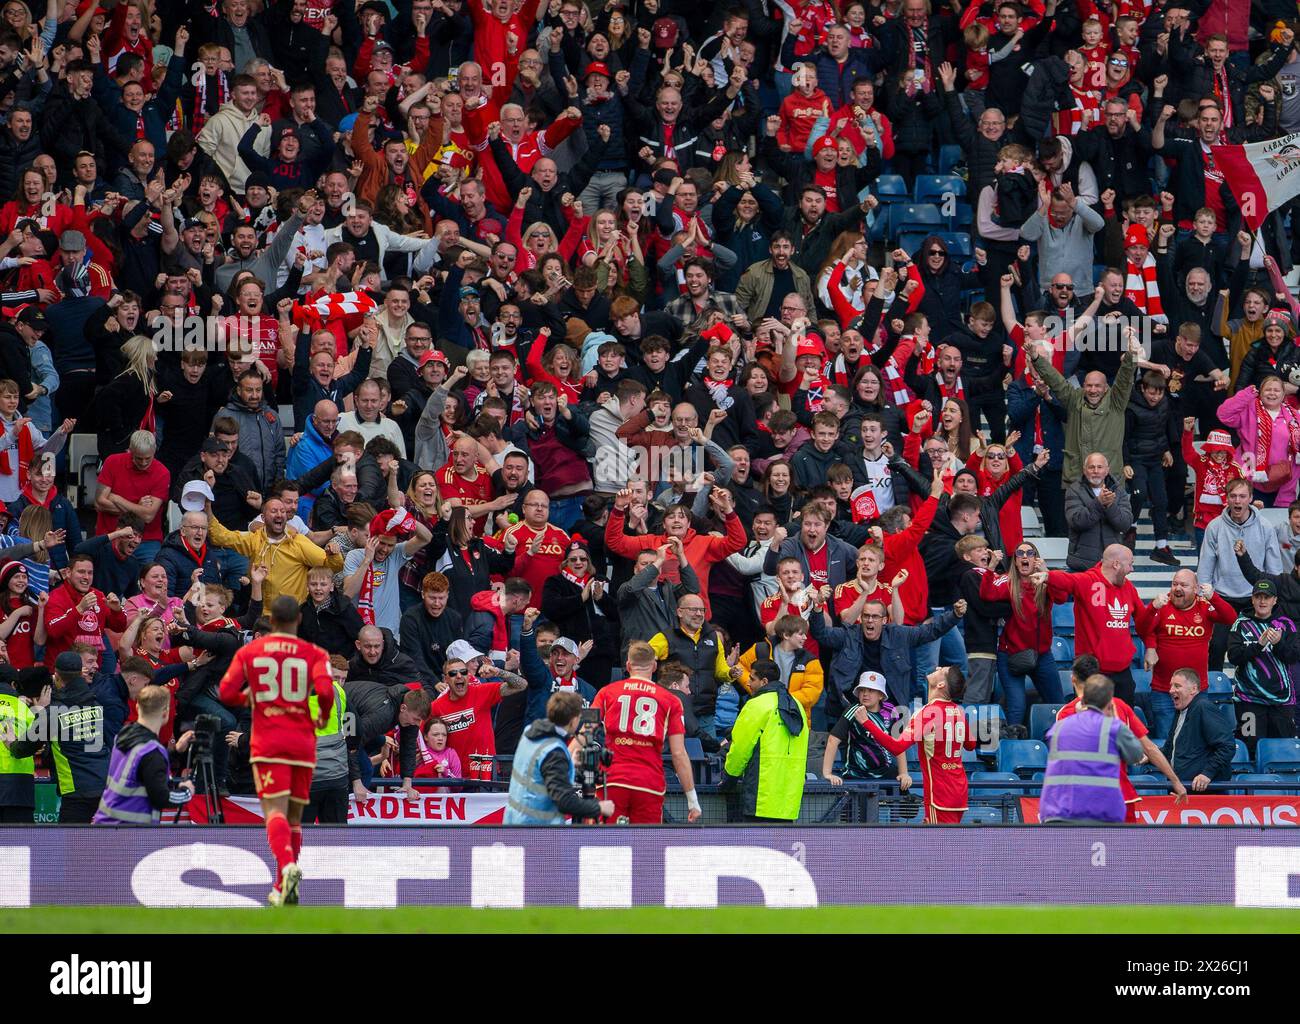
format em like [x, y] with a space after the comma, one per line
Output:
[1022, 402]
[835, 79]
[896, 643]
[180, 564]
[155, 113]
[540, 680]
[749, 242]
[310, 451]
[1205, 745]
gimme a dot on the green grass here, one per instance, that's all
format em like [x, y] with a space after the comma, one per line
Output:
[656, 920]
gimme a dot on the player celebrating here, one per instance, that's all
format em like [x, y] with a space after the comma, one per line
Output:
[281, 670]
[638, 715]
[939, 730]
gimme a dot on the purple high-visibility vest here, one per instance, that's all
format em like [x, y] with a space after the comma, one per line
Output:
[125, 801]
[1083, 769]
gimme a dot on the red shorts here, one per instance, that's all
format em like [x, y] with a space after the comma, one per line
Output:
[934, 817]
[638, 807]
[1131, 813]
[275, 780]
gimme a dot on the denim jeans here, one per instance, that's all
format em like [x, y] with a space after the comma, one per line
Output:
[148, 551]
[707, 724]
[951, 648]
[1047, 682]
[565, 512]
[232, 565]
[204, 705]
[1161, 706]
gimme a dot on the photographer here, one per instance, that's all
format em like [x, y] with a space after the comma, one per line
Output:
[543, 785]
[139, 779]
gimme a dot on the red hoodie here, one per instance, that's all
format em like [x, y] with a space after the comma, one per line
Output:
[1101, 614]
[65, 626]
[702, 550]
[798, 115]
[902, 551]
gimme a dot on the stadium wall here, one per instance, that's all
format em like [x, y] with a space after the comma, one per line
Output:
[674, 867]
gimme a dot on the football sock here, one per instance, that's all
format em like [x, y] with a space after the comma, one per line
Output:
[281, 842]
[295, 836]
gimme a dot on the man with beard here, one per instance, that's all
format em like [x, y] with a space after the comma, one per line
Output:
[289, 554]
[466, 706]
[243, 247]
[430, 627]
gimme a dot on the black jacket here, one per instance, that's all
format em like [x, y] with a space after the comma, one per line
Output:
[1118, 162]
[425, 639]
[939, 552]
[16, 362]
[1194, 76]
[374, 707]
[1204, 745]
[70, 126]
[981, 154]
[1150, 431]
[981, 358]
[334, 627]
[393, 667]
[942, 301]
[546, 206]
[982, 617]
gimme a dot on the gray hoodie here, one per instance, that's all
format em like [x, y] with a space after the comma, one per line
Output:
[1218, 565]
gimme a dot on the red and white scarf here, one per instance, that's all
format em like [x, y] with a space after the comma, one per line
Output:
[1142, 287]
[26, 451]
[577, 581]
[720, 392]
[957, 391]
[1083, 115]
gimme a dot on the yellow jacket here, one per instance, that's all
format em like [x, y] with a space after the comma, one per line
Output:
[806, 681]
[289, 560]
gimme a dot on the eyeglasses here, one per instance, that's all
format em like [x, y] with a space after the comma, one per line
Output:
[457, 671]
[1118, 62]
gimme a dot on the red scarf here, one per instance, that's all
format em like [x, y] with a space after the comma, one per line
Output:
[199, 555]
[485, 602]
[26, 451]
[577, 581]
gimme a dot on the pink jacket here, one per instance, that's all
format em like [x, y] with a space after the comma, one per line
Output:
[1241, 412]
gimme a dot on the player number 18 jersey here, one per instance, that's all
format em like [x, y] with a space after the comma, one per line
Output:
[639, 715]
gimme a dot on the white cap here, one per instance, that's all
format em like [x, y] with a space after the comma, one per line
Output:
[871, 681]
[565, 644]
[193, 495]
[462, 650]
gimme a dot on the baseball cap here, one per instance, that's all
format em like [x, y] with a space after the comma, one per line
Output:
[193, 495]
[1136, 235]
[871, 681]
[382, 45]
[596, 67]
[664, 33]
[211, 446]
[68, 661]
[466, 292]
[565, 644]
[32, 317]
[72, 241]
[810, 346]
[346, 124]
[1264, 585]
[462, 650]
[434, 356]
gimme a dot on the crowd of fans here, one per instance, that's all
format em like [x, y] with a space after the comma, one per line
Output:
[505, 334]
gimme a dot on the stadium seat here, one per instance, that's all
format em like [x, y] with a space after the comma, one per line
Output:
[1041, 718]
[882, 226]
[949, 157]
[938, 188]
[959, 248]
[923, 218]
[1012, 790]
[1261, 777]
[1278, 755]
[1067, 680]
[982, 816]
[1142, 716]
[911, 241]
[962, 217]
[1024, 757]
[1220, 688]
[1063, 619]
[1053, 550]
[1139, 651]
[891, 188]
[1063, 650]
[1142, 681]
[1241, 758]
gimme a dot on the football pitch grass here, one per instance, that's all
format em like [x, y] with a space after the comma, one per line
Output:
[902, 919]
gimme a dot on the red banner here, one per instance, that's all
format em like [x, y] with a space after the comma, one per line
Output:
[1203, 810]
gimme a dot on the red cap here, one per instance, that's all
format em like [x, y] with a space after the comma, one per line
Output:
[825, 142]
[1218, 441]
[811, 346]
[433, 355]
[1136, 235]
[596, 67]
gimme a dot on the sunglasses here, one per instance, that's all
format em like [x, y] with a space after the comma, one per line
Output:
[1026, 553]
[935, 252]
[1118, 62]
[995, 455]
[1064, 287]
[457, 671]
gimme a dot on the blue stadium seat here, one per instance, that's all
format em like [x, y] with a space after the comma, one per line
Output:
[1041, 718]
[1063, 619]
[962, 217]
[1278, 755]
[1063, 650]
[949, 157]
[911, 241]
[1067, 681]
[959, 245]
[1024, 757]
[1241, 758]
[891, 188]
[937, 188]
[1261, 777]
[1012, 777]
[982, 816]
[882, 228]
[919, 217]
[1142, 715]
[1139, 651]
[1142, 680]
[1220, 688]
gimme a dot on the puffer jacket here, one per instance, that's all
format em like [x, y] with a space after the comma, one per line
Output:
[913, 119]
[1150, 431]
[261, 438]
[981, 154]
[748, 241]
[769, 754]
[175, 557]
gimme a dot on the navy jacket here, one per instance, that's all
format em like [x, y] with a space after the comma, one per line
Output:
[1204, 745]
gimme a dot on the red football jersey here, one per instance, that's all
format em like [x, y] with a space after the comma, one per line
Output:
[1126, 715]
[469, 727]
[940, 734]
[280, 671]
[775, 606]
[639, 716]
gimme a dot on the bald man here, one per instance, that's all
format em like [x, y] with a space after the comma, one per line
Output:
[1178, 636]
[1105, 602]
[1098, 512]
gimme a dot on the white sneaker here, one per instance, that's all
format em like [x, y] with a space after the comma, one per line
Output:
[289, 879]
